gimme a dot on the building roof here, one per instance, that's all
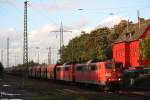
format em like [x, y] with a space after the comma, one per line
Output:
[133, 33]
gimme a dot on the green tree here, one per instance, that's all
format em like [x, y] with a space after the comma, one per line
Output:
[119, 28]
[1, 68]
[145, 48]
[95, 46]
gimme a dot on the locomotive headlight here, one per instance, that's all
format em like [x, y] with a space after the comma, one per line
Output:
[109, 79]
[119, 79]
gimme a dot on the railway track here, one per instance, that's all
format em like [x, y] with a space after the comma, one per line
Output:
[70, 91]
[142, 95]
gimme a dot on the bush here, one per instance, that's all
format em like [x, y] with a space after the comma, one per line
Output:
[1, 68]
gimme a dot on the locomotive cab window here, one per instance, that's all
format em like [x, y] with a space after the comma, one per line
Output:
[79, 68]
[93, 67]
[66, 68]
[118, 65]
[85, 68]
[58, 69]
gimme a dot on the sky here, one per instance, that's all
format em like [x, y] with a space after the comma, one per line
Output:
[45, 16]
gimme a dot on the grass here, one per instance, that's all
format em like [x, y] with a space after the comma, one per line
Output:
[44, 92]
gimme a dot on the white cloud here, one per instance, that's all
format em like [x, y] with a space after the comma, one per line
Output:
[43, 38]
[80, 24]
[88, 29]
[9, 2]
[110, 21]
[15, 37]
[15, 44]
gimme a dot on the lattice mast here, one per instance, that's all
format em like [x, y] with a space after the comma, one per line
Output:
[49, 55]
[25, 47]
[7, 52]
[61, 31]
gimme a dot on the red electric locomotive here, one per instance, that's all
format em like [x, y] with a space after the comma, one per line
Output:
[93, 73]
[117, 76]
[99, 73]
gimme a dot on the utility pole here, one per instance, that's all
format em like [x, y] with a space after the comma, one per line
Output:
[61, 31]
[2, 56]
[25, 48]
[7, 52]
[128, 26]
[15, 59]
[38, 57]
[139, 22]
[38, 54]
[61, 35]
[49, 55]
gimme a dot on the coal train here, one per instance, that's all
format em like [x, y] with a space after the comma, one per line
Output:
[103, 74]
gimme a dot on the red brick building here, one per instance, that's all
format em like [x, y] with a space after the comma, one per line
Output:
[127, 47]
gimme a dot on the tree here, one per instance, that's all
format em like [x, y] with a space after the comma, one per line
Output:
[1, 68]
[94, 46]
[145, 48]
[119, 28]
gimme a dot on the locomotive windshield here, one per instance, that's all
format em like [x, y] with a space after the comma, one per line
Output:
[109, 65]
[93, 67]
[118, 65]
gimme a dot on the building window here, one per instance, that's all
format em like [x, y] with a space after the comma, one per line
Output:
[119, 53]
[116, 54]
[123, 52]
[134, 51]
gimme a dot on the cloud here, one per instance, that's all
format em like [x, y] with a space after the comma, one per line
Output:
[13, 34]
[15, 44]
[9, 2]
[110, 21]
[80, 24]
[43, 37]
[88, 29]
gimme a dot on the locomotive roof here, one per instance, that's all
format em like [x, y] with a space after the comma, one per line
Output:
[63, 65]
